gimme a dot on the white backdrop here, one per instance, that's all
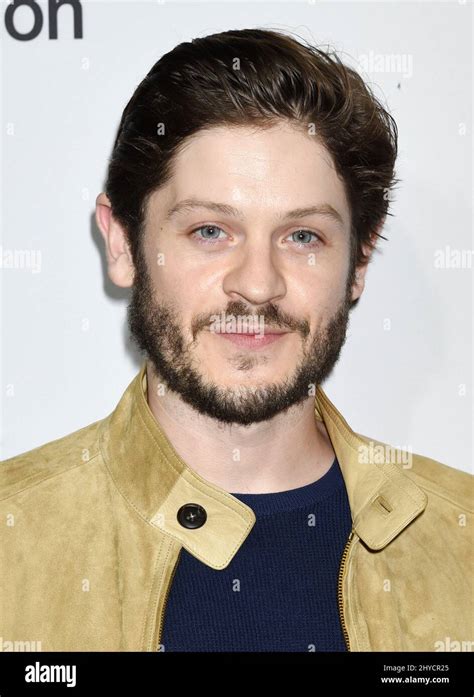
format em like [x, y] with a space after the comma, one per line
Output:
[405, 374]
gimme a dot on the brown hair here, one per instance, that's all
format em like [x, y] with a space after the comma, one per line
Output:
[254, 77]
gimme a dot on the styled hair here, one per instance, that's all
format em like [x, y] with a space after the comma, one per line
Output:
[254, 77]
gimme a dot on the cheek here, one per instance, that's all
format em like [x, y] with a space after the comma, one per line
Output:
[165, 269]
[331, 278]
[182, 269]
[319, 287]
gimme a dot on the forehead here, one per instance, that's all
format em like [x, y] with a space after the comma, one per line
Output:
[258, 170]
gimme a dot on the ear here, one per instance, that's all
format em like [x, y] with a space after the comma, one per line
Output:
[359, 278]
[119, 259]
[361, 270]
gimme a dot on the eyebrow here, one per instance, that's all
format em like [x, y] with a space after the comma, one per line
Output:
[323, 209]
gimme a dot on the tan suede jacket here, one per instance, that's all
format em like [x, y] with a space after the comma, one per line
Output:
[90, 538]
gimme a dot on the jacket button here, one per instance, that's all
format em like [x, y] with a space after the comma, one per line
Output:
[192, 515]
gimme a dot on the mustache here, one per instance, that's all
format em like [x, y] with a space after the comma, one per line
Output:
[270, 314]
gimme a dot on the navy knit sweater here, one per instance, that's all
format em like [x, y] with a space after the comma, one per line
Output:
[279, 592]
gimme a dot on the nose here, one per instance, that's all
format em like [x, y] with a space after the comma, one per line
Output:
[254, 276]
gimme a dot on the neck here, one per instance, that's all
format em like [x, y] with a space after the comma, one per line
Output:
[288, 451]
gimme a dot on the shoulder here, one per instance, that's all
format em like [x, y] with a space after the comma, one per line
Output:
[453, 485]
[50, 460]
[438, 480]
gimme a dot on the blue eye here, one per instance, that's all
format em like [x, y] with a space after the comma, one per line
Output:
[313, 238]
[205, 240]
[210, 234]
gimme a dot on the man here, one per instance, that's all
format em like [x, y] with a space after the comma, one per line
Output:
[225, 504]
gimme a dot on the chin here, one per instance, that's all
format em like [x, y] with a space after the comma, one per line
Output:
[260, 376]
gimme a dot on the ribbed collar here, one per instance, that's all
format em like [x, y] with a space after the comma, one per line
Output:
[304, 496]
[157, 482]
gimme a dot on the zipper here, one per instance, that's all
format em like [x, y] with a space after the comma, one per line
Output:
[339, 594]
[163, 608]
[339, 589]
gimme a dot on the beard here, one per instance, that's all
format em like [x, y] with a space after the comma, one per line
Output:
[156, 329]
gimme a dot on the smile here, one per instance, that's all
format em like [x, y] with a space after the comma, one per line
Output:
[252, 341]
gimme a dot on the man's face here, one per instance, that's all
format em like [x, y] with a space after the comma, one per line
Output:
[212, 285]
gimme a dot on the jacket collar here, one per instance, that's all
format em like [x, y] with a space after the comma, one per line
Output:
[383, 497]
[156, 482]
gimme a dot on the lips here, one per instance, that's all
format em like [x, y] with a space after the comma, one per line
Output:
[252, 341]
[264, 333]
[253, 333]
